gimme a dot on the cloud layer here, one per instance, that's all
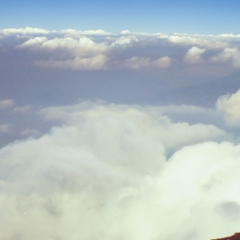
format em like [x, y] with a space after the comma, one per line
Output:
[121, 172]
[80, 169]
[96, 50]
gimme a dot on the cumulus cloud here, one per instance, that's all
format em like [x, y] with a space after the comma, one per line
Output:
[125, 40]
[125, 32]
[128, 49]
[205, 41]
[193, 56]
[228, 54]
[230, 105]
[163, 132]
[79, 47]
[103, 171]
[34, 42]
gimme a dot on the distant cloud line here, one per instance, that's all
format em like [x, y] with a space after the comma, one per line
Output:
[100, 50]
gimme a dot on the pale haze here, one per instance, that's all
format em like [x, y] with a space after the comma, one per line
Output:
[119, 130]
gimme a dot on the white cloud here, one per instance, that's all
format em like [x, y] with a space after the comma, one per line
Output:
[34, 42]
[81, 44]
[104, 173]
[205, 41]
[76, 54]
[162, 62]
[125, 32]
[78, 47]
[229, 35]
[24, 31]
[163, 129]
[228, 54]
[125, 40]
[193, 56]
[230, 105]
[130, 50]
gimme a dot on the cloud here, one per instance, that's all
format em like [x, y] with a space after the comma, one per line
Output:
[102, 170]
[228, 54]
[125, 40]
[205, 41]
[141, 62]
[230, 105]
[24, 31]
[78, 47]
[76, 54]
[92, 63]
[125, 32]
[184, 133]
[126, 50]
[193, 56]
[110, 171]
[34, 42]
[7, 103]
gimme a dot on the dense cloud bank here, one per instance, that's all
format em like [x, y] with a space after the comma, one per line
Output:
[90, 169]
[99, 50]
[108, 171]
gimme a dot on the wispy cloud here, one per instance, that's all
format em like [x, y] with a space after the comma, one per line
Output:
[5, 128]
[7, 103]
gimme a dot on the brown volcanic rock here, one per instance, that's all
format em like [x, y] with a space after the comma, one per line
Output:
[236, 236]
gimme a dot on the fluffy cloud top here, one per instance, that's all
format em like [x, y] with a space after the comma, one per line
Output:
[79, 47]
[126, 50]
[106, 171]
[193, 56]
[230, 105]
[228, 54]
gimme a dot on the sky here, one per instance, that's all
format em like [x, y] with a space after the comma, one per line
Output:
[119, 120]
[193, 17]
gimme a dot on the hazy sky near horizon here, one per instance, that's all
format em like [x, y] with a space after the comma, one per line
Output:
[192, 17]
[119, 120]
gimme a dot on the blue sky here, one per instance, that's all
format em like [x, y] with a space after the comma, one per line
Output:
[202, 17]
